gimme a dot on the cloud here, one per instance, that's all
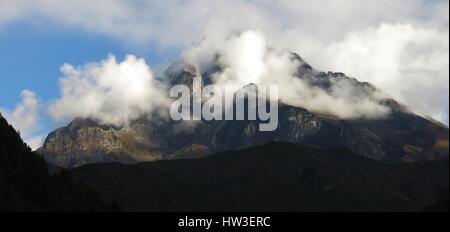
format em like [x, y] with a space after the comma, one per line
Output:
[36, 141]
[116, 93]
[404, 39]
[249, 58]
[25, 118]
[111, 92]
[409, 63]
[25, 115]
[180, 22]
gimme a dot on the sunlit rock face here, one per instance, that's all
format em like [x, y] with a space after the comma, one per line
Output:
[84, 141]
[401, 136]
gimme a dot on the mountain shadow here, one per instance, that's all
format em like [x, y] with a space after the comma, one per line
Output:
[272, 177]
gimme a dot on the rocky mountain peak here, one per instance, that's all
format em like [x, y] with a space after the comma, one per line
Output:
[402, 137]
[192, 70]
[303, 64]
[181, 73]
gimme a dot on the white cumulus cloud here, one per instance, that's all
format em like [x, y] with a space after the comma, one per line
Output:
[25, 118]
[249, 58]
[409, 63]
[111, 92]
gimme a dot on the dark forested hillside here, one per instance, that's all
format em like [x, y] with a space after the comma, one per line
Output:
[25, 184]
[273, 177]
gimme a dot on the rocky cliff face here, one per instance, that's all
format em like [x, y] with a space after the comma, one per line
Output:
[84, 141]
[401, 137]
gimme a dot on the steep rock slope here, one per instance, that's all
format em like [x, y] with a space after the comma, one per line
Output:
[400, 137]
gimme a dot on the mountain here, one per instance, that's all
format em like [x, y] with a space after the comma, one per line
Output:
[400, 137]
[25, 184]
[277, 176]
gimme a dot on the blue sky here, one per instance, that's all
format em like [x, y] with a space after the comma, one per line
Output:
[30, 58]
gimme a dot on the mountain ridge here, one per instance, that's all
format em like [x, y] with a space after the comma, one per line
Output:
[400, 137]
